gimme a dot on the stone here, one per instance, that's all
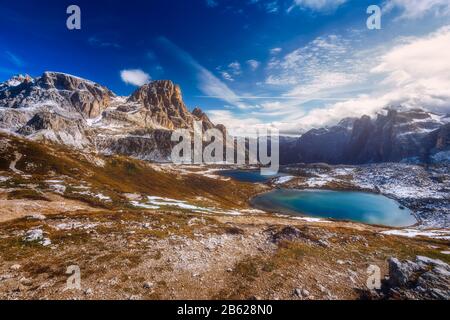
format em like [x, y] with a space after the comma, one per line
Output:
[288, 233]
[26, 282]
[424, 278]
[148, 285]
[16, 267]
[36, 216]
[298, 292]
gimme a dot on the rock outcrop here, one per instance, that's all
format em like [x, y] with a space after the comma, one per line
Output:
[422, 279]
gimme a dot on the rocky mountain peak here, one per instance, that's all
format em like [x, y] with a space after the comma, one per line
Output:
[74, 111]
[163, 99]
[159, 92]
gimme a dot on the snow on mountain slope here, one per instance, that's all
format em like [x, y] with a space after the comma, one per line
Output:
[69, 110]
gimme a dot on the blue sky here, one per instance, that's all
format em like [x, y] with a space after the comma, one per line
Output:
[291, 64]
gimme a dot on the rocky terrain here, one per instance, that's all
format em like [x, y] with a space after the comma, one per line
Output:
[424, 189]
[422, 279]
[85, 181]
[138, 230]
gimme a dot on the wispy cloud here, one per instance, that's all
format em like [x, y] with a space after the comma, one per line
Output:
[413, 9]
[14, 59]
[253, 64]
[208, 84]
[211, 3]
[237, 124]
[324, 58]
[272, 7]
[275, 51]
[136, 77]
[226, 76]
[235, 68]
[96, 41]
[411, 72]
[415, 73]
[317, 5]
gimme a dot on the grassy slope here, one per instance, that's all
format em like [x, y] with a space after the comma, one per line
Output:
[119, 175]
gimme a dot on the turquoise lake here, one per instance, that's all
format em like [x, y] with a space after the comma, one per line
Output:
[352, 206]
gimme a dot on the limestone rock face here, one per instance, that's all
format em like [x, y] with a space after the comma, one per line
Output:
[164, 102]
[54, 127]
[424, 278]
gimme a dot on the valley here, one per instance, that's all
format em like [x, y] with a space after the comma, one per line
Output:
[86, 180]
[139, 230]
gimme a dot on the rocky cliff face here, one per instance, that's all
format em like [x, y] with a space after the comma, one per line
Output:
[165, 105]
[80, 113]
[411, 135]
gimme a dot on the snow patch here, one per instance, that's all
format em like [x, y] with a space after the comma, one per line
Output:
[412, 233]
[137, 204]
[282, 180]
[58, 188]
[75, 225]
[36, 235]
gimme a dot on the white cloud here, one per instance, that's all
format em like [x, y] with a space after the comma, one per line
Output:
[317, 5]
[416, 74]
[254, 64]
[236, 124]
[235, 68]
[418, 71]
[306, 65]
[135, 77]
[413, 9]
[275, 51]
[226, 76]
[323, 83]
[410, 72]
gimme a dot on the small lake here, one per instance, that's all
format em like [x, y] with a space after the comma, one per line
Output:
[248, 175]
[340, 205]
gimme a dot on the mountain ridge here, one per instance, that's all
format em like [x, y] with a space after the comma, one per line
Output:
[73, 111]
[414, 135]
[80, 113]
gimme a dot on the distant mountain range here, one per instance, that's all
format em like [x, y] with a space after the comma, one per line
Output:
[82, 114]
[393, 136]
